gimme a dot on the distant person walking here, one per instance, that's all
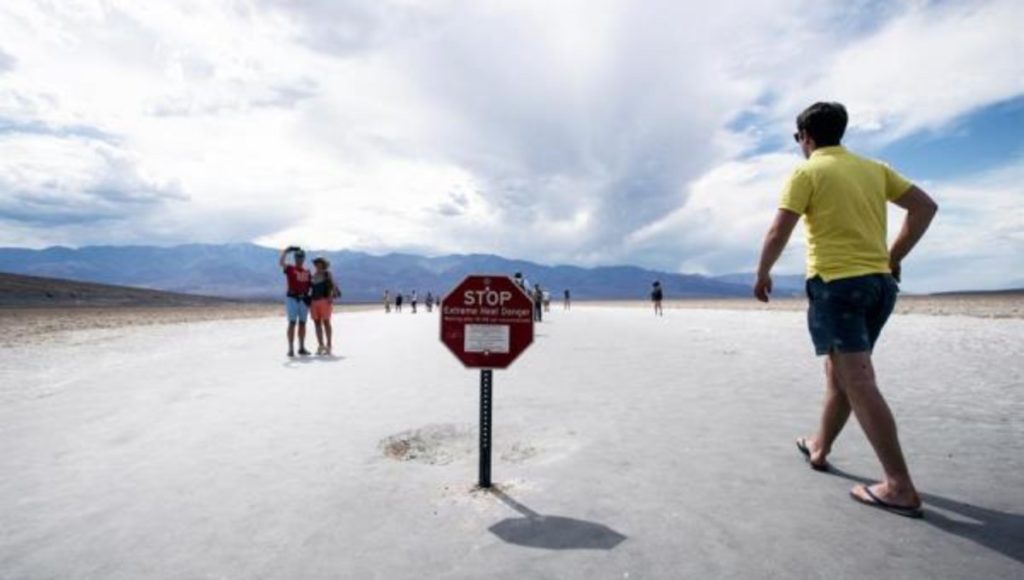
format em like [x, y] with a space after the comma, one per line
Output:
[323, 291]
[398, 302]
[297, 296]
[656, 297]
[387, 301]
[851, 287]
[412, 301]
[567, 302]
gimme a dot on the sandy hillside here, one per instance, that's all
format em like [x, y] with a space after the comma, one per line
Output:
[18, 291]
[625, 447]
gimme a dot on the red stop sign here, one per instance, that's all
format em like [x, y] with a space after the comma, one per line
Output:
[487, 321]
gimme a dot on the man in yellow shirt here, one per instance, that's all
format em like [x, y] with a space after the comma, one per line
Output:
[851, 287]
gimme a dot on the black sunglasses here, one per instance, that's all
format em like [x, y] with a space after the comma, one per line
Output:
[796, 137]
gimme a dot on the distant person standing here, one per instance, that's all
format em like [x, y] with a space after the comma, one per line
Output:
[430, 302]
[297, 297]
[398, 302]
[538, 301]
[523, 282]
[387, 301]
[567, 302]
[323, 291]
[656, 297]
[547, 301]
[412, 300]
[851, 287]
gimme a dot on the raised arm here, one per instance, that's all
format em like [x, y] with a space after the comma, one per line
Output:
[921, 208]
[284, 254]
[774, 243]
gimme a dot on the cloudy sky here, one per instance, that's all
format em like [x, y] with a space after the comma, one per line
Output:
[590, 132]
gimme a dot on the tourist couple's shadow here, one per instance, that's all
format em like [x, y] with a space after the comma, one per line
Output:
[298, 361]
[993, 529]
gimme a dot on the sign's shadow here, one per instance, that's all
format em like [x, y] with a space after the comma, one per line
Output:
[534, 530]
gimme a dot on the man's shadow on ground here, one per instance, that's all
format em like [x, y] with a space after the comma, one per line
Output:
[534, 530]
[993, 529]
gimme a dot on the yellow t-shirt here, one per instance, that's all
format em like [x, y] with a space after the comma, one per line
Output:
[842, 197]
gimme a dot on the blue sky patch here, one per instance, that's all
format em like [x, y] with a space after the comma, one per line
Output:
[984, 140]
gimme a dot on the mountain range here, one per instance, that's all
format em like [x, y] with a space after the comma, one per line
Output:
[250, 271]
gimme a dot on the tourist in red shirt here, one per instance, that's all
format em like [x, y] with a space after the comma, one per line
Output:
[297, 298]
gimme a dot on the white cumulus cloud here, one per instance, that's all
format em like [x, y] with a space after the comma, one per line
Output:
[593, 132]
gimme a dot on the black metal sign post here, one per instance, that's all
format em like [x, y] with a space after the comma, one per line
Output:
[486, 322]
[486, 381]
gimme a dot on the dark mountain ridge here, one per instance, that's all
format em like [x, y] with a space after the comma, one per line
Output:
[250, 271]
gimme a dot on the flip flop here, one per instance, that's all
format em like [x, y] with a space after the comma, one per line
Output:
[801, 444]
[877, 502]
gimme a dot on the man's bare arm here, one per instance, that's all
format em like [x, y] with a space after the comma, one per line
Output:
[284, 254]
[774, 243]
[921, 208]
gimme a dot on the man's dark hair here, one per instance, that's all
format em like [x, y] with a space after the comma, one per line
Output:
[824, 122]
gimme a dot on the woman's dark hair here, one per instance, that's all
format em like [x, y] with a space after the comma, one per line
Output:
[824, 122]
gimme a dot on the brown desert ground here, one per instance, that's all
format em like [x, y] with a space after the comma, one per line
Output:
[35, 325]
[35, 309]
[980, 304]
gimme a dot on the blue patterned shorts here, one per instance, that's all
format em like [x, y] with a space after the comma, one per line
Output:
[847, 315]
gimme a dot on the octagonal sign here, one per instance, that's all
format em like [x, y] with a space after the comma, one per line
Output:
[487, 321]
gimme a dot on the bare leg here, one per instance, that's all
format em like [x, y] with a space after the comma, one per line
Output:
[318, 326]
[834, 414]
[329, 332]
[291, 337]
[302, 336]
[857, 379]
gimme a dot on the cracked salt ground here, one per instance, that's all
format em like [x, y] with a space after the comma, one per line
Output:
[191, 451]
